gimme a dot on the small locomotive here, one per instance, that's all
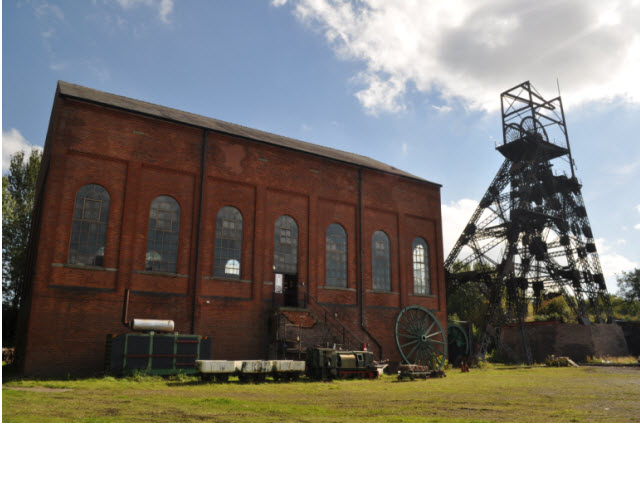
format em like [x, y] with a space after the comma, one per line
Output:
[328, 363]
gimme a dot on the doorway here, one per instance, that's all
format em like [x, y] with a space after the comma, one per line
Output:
[286, 289]
[290, 285]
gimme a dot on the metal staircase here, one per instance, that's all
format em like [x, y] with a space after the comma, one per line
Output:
[290, 338]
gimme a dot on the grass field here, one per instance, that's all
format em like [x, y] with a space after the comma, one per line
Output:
[492, 394]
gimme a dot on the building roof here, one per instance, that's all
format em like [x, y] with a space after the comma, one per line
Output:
[144, 108]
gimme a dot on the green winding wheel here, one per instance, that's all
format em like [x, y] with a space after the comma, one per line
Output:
[420, 338]
[458, 341]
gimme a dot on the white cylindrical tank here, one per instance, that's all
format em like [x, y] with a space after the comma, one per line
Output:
[150, 325]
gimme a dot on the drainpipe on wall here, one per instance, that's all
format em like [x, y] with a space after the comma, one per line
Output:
[199, 228]
[360, 278]
[125, 312]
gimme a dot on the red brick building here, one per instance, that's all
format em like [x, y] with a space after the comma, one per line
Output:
[200, 221]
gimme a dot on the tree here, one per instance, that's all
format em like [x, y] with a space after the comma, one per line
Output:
[626, 305]
[623, 310]
[465, 300]
[629, 285]
[555, 309]
[18, 195]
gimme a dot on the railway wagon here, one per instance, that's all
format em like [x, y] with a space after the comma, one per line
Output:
[246, 370]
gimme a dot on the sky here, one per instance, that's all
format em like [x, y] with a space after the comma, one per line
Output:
[415, 83]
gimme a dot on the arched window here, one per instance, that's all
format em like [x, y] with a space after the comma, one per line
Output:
[162, 237]
[228, 247]
[89, 229]
[380, 261]
[285, 249]
[232, 268]
[421, 272]
[336, 256]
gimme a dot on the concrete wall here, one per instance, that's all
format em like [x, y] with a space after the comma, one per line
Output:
[136, 158]
[631, 332]
[575, 341]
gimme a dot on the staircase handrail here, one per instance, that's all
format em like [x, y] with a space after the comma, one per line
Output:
[328, 317]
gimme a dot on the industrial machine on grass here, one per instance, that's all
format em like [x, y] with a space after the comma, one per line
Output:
[328, 363]
[154, 349]
[321, 364]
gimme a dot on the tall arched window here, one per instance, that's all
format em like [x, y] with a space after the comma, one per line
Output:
[421, 272]
[162, 237]
[336, 256]
[228, 247]
[380, 261]
[285, 249]
[89, 229]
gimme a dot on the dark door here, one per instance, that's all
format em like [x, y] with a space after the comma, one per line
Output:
[290, 288]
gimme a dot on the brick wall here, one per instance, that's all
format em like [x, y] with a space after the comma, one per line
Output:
[137, 158]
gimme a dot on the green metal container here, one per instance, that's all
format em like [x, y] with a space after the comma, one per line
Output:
[155, 353]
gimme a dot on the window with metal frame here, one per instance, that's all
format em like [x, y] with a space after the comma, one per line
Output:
[380, 263]
[336, 256]
[285, 250]
[228, 243]
[163, 235]
[89, 228]
[421, 272]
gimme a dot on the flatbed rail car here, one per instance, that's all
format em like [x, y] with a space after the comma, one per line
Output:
[246, 370]
[412, 372]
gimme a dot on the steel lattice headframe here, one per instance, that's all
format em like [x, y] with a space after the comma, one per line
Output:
[530, 235]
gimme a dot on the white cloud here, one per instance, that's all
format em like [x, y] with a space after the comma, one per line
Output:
[474, 50]
[454, 218]
[57, 67]
[46, 9]
[163, 7]
[638, 208]
[627, 168]
[13, 142]
[380, 95]
[612, 263]
[166, 7]
[442, 108]
[637, 227]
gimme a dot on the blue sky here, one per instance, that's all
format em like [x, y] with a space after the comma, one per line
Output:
[414, 84]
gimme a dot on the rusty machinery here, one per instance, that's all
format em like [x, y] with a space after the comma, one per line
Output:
[530, 237]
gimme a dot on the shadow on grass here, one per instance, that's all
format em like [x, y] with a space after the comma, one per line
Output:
[9, 373]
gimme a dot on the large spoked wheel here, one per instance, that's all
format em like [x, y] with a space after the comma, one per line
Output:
[420, 338]
[512, 133]
[458, 343]
[532, 127]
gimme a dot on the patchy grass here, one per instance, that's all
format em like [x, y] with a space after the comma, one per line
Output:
[490, 394]
[605, 360]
